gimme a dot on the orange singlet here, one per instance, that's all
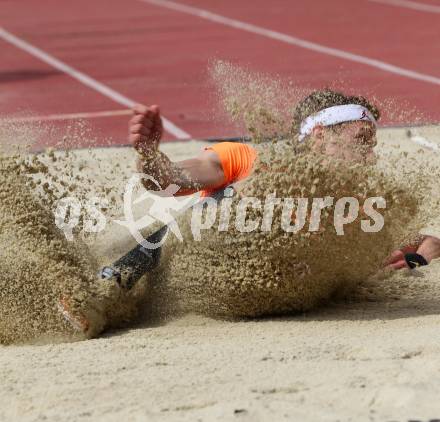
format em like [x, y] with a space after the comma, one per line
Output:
[237, 161]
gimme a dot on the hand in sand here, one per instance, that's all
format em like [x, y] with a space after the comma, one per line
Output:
[429, 248]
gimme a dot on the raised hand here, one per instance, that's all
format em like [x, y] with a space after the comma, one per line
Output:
[145, 129]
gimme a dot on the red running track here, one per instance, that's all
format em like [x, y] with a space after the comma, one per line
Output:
[149, 51]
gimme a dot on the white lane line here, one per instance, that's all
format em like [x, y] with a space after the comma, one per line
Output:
[85, 79]
[425, 143]
[68, 116]
[421, 7]
[308, 45]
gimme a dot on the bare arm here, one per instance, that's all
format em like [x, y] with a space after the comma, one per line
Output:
[145, 131]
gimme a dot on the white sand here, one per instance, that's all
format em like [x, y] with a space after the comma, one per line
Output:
[357, 361]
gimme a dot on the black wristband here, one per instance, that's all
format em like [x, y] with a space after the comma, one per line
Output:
[415, 260]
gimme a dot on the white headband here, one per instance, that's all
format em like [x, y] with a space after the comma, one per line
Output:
[333, 116]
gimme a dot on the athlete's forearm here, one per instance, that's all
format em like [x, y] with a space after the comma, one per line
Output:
[145, 132]
[165, 172]
[429, 248]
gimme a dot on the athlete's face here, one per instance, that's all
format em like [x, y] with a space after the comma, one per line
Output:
[352, 141]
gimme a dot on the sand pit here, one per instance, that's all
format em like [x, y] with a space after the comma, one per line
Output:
[371, 356]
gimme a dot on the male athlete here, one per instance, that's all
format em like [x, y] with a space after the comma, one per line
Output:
[322, 119]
